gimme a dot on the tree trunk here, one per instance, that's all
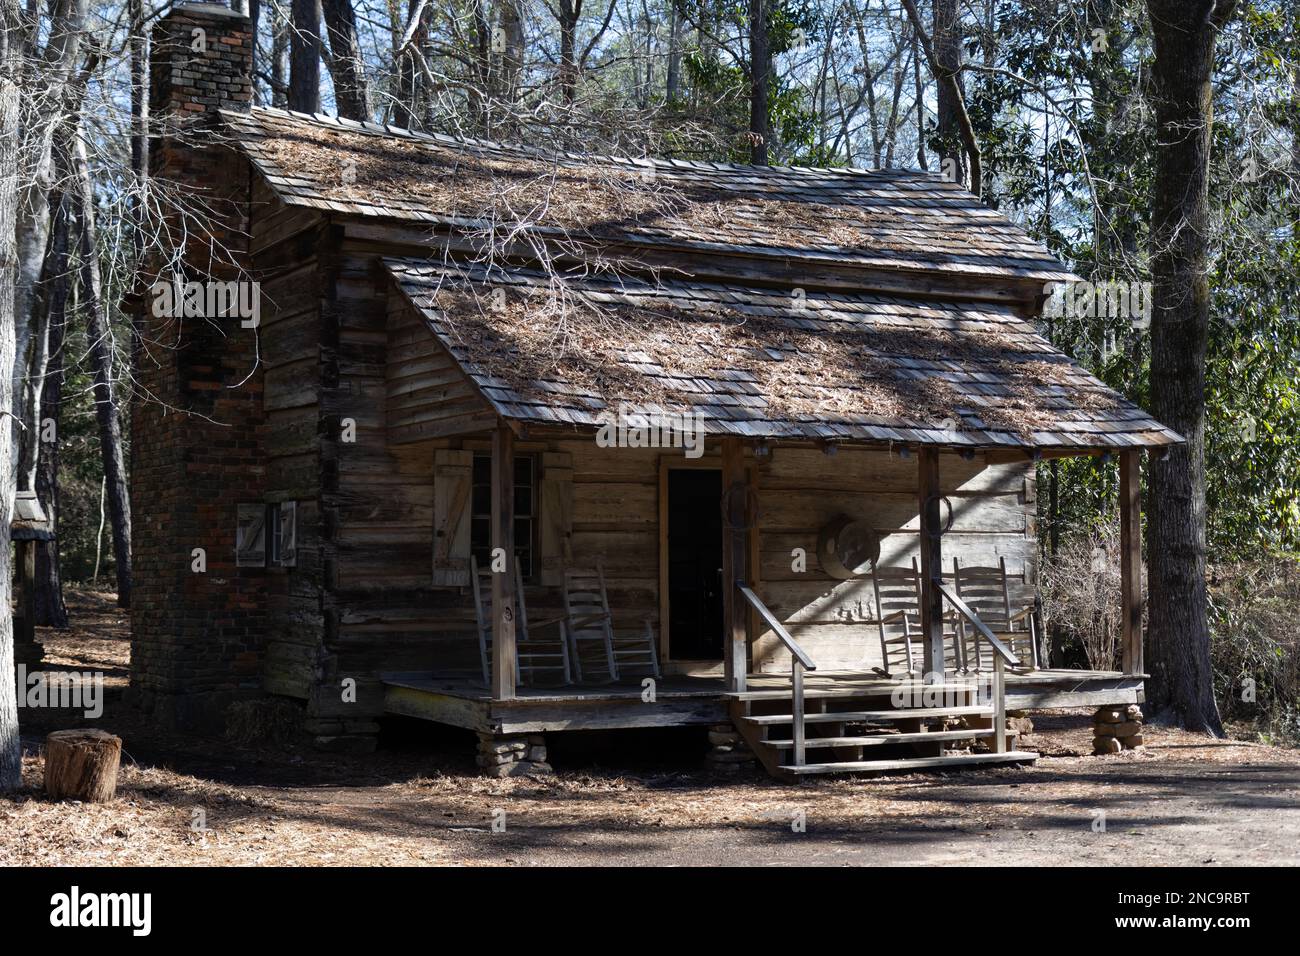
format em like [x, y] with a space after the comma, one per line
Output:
[139, 56]
[42, 110]
[50, 608]
[760, 69]
[568, 13]
[29, 394]
[82, 765]
[279, 47]
[38, 467]
[139, 71]
[512, 56]
[404, 107]
[674, 74]
[1181, 686]
[947, 56]
[51, 611]
[921, 161]
[100, 343]
[11, 26]
[952, 102]
[891, 131]
[254, 24]
[304, 57]
[347, 67]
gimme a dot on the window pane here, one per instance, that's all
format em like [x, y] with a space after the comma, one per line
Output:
[523, 501]
[524, 504]
[523, 470]
[480, 536]
[482, 504]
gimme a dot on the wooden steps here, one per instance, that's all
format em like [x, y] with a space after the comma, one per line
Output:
[863, 716]
[959, 734]
[839, 693]
[953, 762]
[886, 739]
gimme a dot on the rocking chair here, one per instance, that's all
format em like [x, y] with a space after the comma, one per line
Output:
[986, 592]
[532, 655]
[898, 616]
[590, 626]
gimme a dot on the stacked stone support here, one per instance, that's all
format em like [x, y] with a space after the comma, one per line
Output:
[512, 755]
[729, 753]
[1117, 728]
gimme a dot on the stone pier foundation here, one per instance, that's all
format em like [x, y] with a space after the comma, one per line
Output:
[512, 755]
[1117, 728]
[729, 752]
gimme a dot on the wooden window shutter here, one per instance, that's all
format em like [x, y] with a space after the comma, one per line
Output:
[555, 536]
[288, 534]
[453, 475]
[250, 536]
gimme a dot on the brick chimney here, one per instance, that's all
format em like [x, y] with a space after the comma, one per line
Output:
[201, 60]
[197, 417]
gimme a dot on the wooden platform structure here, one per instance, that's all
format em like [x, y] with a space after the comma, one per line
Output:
[463, 701]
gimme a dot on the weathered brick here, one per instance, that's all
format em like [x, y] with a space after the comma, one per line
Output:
[198, 639]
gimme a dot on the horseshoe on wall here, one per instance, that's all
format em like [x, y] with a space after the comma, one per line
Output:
[946, 500]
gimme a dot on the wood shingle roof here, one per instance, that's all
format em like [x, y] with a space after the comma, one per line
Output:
[898, 220]
[764, 363]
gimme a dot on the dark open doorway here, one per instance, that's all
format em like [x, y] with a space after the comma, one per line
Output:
[694, 564]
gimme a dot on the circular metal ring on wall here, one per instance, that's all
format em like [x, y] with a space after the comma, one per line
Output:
[951, 516]
[751, 508]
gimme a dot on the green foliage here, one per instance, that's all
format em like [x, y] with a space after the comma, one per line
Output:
[722, 82]
[1086, 195]
[1253, 434]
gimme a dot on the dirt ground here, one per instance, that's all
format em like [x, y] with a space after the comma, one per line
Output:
[1185, 800]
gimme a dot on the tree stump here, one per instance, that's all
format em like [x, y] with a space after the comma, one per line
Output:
[82, 765]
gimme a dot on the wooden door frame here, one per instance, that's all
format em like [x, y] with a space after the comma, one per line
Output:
[677, 462]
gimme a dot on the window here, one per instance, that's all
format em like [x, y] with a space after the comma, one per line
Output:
[250, 536]
[266, 535]
[282, 525]
[525, 511]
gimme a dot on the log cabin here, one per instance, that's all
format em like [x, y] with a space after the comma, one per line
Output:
[753, 405]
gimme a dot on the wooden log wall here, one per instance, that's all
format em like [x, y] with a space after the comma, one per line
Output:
[387, 603]
[285, 251]
[380, 611]
[801, 490]
[362, 600]
[428, 396]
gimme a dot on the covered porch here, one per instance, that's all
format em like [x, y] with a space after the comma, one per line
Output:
[839, 719]
[921, 428]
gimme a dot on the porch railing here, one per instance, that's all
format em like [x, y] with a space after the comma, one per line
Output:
[1002, 656]
[799, 662]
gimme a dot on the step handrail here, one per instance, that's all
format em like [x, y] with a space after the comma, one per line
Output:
[777, 627]
[1000, 661]
[981, 628]
[799, 662]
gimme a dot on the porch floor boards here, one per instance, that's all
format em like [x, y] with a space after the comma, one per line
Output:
[464, 701]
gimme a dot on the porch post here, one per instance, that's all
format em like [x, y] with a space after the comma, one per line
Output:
[1130, 557]
[735, 615]
[503, 538]
[931, 562]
